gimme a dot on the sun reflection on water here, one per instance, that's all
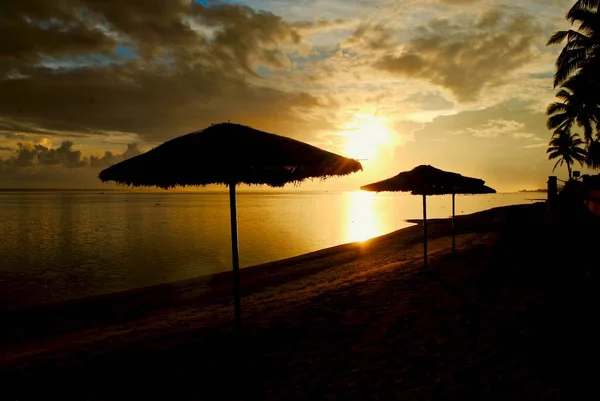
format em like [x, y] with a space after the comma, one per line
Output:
[361, 216]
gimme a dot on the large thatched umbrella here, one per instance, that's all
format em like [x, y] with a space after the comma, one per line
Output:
[427, 180]
[229, 154]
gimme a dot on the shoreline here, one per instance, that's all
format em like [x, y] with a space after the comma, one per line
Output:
[97, 311]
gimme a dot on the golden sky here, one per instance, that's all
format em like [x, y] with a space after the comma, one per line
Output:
[459, 84]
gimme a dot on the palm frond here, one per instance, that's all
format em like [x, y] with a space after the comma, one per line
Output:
[588, 21]
[572, 57]
[562, 120]
[564, 94]
[559, 162]
[587, 128]
[553, 153]
[557, 37]
[567, 63]
[577, 36]
[556, 107]
[583, 5]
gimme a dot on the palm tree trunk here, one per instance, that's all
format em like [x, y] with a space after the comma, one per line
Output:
[569, 168]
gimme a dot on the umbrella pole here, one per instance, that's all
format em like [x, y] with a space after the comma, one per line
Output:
[424, 229]
[235, 256]
[453, 232]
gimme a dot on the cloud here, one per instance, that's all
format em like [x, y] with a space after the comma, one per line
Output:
[466, 55]
[322, 25]
[508, 121]
[372, 37]
[12, 128]
[456, 2]
[103, 74]
[177, 79]
[109, 158]
[30, 154]
[33, 156]
[32, 29]
[524, 135]
[536, 145]
[493, 129]
[406, 130]
[429, 101]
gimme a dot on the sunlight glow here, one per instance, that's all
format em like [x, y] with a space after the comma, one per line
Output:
[366, 136]
[361, 215]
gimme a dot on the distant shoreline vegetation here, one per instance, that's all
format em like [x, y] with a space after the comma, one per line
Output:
[534, 190]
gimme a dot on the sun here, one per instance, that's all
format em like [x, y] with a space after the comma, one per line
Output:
[366, 136]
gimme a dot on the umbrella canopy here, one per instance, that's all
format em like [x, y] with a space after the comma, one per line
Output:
[427, 180]
[229, 154]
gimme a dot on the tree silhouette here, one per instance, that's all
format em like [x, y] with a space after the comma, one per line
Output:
[566, 147]
[577, 75]
[576, 106]
[582, 45]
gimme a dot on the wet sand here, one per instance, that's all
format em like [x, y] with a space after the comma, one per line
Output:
[357, 321]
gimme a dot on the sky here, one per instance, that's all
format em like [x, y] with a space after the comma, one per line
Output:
[458, 84]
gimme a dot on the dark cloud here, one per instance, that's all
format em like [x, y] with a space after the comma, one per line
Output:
[247, 37]
[466, 56]
[188, 65]
[12, 129]
[32, 29]
[30, 155]
[109, 158]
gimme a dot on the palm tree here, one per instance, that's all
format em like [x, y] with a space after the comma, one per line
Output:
[566, 147]
[577, 69]
[578, 105]
[583, 45]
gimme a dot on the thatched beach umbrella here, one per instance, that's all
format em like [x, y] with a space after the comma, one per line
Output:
[427, 180]
[229, 154]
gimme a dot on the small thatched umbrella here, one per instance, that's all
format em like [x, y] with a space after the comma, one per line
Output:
[229, 154]
[427, 180]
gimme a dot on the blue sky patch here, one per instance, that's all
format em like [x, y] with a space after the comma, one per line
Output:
[125, 52]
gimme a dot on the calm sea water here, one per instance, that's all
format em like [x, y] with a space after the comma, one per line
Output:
[65, 244]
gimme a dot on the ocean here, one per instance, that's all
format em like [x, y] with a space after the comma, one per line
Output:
[57, 245]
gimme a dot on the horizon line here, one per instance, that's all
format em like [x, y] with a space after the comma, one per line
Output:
[151, 189]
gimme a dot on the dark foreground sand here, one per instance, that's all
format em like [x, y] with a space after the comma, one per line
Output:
[510, 317]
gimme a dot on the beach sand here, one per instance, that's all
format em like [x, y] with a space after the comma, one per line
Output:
[508, 317]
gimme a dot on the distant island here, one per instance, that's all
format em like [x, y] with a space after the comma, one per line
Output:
[534, 190]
